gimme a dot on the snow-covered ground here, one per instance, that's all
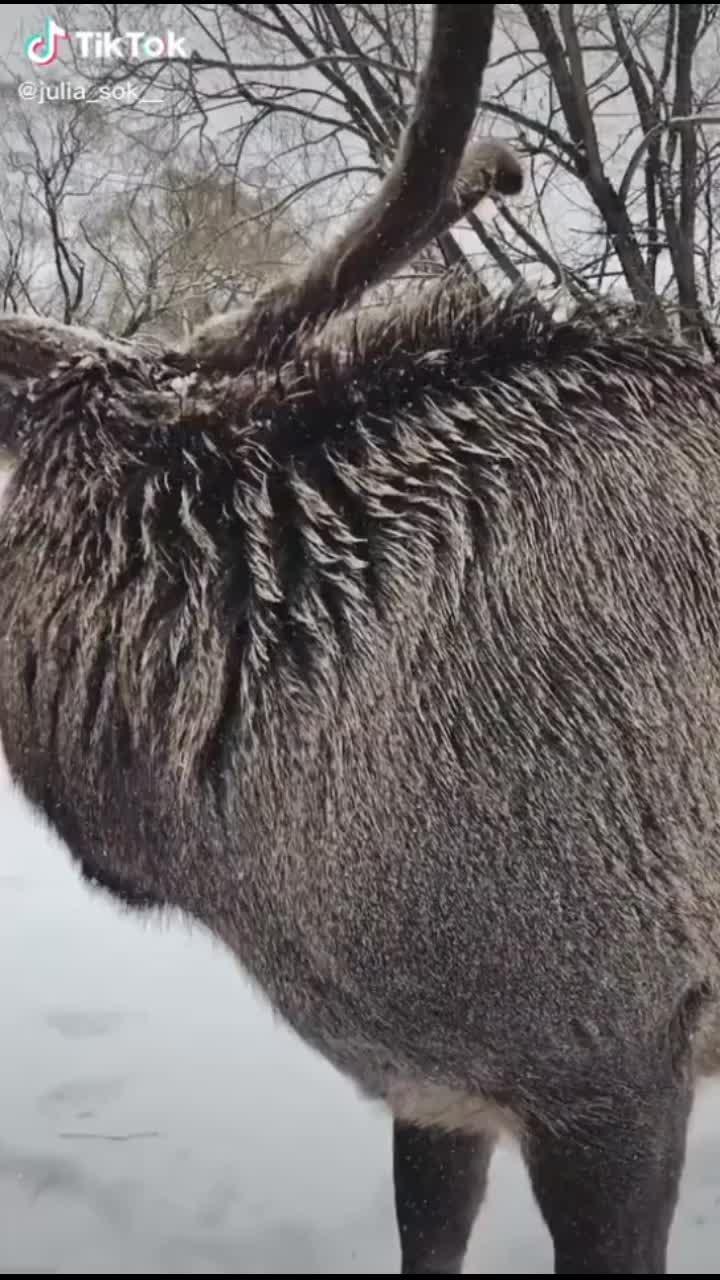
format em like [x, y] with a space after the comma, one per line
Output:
[154, 1116]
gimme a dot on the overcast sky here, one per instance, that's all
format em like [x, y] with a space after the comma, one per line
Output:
[16, 22]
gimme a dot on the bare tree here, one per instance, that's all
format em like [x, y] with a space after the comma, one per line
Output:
[185, 245]
[616, 108]
[620, 140]
[86, 235]
[51, 159]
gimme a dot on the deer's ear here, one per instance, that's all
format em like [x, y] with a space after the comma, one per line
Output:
[30, 348]
[31, 345]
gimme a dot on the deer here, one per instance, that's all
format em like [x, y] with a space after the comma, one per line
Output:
[384, 642]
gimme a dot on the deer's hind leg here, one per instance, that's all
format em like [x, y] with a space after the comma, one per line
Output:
[440, 1181]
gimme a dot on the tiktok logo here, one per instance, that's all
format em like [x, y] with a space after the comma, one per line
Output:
[104, 46]
[44, 49]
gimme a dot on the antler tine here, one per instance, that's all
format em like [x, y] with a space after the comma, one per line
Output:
[428, 159]
[425, 192]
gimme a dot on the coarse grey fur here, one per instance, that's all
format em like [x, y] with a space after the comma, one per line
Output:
[398, 669]
[395, 661]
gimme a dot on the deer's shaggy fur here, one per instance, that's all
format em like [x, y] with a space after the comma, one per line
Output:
[396, 665]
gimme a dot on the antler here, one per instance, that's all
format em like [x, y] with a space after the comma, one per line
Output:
[426, 191]
[433, 182]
